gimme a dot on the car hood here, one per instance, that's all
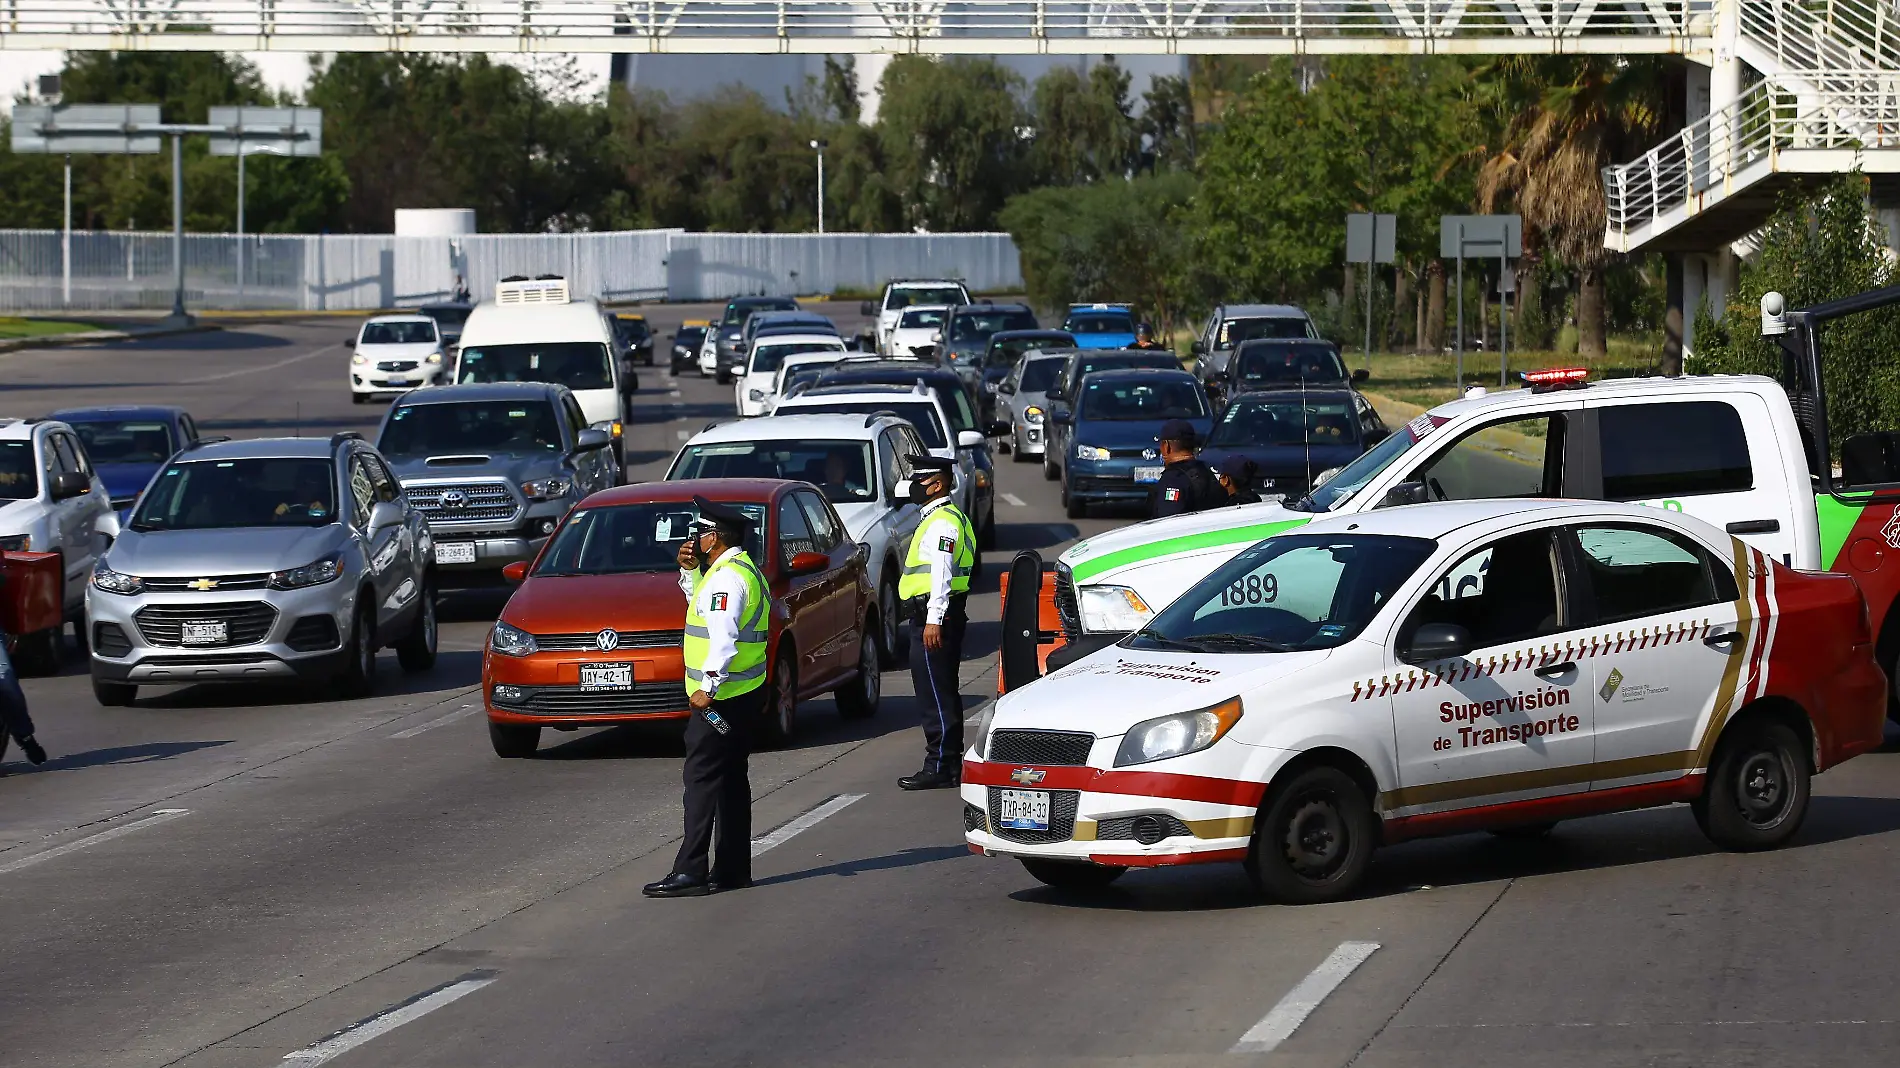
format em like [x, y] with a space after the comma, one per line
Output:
[238, 551]
[1126, 434]
[556, 604]
[412, 351]
[1100, 558]
[13, 513]
[126, 480]
[1279, 461]
[513, 466]
[1113, 689]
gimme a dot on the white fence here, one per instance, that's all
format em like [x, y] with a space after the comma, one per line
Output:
[318, 272]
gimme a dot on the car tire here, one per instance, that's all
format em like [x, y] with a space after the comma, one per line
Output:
[894, 640]
[1757, 788]
[514, 741]
[1070, 875]
[781, 702]
[114, 694]
[416, 652]
[1050, 472]
[1314, 839]
[858, 698]
[358, 677]
[40, 652]
[359, 398]
[1074, 507]
[722, 377]
[1018, 455]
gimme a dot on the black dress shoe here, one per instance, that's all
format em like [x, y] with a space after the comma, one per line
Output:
[678, 885]
[33, 750]
[928, 780]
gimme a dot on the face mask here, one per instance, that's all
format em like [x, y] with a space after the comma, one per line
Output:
[919, 493]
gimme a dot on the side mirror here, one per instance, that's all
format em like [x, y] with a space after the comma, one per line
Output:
[808, 563]
[590, 440]
[970, 439]
[1059, 414]
[997, 429]
[867, 308]
[384, 515]
[516, 571]
[1006, 387]
[1198, 348]
[107, 525]
[1405, 493]
[1361, 375]
[1437, 641]
[69, 484]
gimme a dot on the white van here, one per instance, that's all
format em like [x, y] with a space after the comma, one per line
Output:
[535, 331]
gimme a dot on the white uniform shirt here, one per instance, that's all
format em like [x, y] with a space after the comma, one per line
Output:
[937, 536]
[721, 600]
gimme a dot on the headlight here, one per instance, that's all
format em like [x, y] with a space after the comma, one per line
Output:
[1032, 415]
[511, 641]
[433, 357]
[545, 489]
[1090, 452]
[113, 582]
[326, 570]
[17, 543]
[1179, 735]
[980, 741]
[1111, 608]
[358, 359]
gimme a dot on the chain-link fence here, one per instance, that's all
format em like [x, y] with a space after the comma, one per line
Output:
[113, 271]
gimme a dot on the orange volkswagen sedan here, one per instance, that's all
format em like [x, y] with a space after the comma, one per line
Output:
[593, 637]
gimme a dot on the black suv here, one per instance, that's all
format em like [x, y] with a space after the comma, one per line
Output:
[1266, 363]
[966, 334]
[731, 327]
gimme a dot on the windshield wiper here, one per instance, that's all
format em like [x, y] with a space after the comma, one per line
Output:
[1158, 638]
[1245, 641]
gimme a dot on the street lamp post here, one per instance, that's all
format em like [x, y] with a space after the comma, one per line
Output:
[819, 147]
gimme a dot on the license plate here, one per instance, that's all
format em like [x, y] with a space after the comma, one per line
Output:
[1024, 810]
[1272, 498]
[211, 633]
[1148, 474]
[454, 552]
[400, 380]
[606, 676]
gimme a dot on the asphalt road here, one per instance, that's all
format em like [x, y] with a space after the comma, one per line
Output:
[230, 876]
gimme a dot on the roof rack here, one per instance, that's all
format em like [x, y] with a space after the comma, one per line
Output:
[342, 436]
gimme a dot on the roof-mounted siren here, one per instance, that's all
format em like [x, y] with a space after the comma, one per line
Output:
[1555, 378]
[547, 289]
[1774, 315]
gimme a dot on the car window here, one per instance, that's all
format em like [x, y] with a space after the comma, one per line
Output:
[1673, 450]
[574, 364]
[1084, 323]
[1632, 571]
[125, 441]
[362, 491]
[1039, 375]
[890, 447]
[387, 489]
[189, 428]
[979, 325]
[69, 456]
[825, 531]
[919, 413]
[841, 468]
[794, 531]
[1501, 593]
[633, 538]
[907, 296]
[1281, 419]
[919, 318]
[1260, 364]
[419, 332]
[1234, 331]
[260, 492]
[1136, 399]
[471, 426]
[1515, 458]
[19, 475]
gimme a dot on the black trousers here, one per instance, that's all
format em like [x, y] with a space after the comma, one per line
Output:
[13, 718]
[933, 676]
[718, 791]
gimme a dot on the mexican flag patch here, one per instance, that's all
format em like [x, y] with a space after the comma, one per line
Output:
[1171, 494]
[719, 602]
[947, 544]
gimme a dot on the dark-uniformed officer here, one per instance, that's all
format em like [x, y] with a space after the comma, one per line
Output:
[1188, 484]
[728, 613]
[15, 723]
[934, 586]
[1145, 338]
[1236, 476]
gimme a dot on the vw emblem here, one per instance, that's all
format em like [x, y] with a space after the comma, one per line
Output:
[608, 640]
[454, 498]
[1149, 454]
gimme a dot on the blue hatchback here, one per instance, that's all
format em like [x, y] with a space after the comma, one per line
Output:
[128, 443]
[1112, 424]
[1101, 326]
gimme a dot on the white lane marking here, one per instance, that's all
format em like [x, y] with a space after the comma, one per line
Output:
[1279, 1024]
[439, 721]
[1011, 498]
[672, 392]
[389, 1019]
[163, 815]
[801, 824]
[683, 434]
[254, 370]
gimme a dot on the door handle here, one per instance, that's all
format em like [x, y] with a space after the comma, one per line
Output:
[1754, 526]
[1716, 641]
[1551, 671]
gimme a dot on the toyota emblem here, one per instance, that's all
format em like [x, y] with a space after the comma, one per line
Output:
[608, 640]
[1149, 454]
[454, 498]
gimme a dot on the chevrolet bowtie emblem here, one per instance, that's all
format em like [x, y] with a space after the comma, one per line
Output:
[1027, 776]
[201, 585]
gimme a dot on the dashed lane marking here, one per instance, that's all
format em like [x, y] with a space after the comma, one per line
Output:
[163, 815]
[389, 1019]
[1011, 498]
[438, 721]
[800, 824]
[261, 367]
[1279, 1024]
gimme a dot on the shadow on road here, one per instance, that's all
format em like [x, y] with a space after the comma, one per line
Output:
[314, 426]
[818, 725]
[906, 858]
[210, 341]
[454, 669]
[144, 753]
[42, 387]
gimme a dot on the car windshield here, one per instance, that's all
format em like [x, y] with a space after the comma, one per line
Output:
[919, 318]
[471, 427]
[19, 475]
[1260, 364]
[575, 364]
[1039, 375]
[266, 492]
[979, 325]
[1353, 477]
[636, 329]
[1131, 399]
[1293, 592]
[632, 539]
[1100, 323]
[1004, 352]
[690, 335]
[920, 414]
[126, 441]
[1235, 331]
[737, 313]
[904, 298]
[841, 468]
[418, 332]
[1285, 420]
[769, 357]
[448, 316]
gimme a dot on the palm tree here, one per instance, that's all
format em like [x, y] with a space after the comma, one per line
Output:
[1565, 119]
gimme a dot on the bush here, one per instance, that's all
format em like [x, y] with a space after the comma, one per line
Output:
[1113, 240]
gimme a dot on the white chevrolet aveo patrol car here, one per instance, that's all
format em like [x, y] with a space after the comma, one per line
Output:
[1484, 665]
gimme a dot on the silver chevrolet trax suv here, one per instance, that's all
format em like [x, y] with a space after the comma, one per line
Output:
[274, 559]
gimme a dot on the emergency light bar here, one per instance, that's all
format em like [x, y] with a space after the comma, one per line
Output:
[1556, 378]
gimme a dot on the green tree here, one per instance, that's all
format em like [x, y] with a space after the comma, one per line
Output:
[1168, 124]
[1112, 240]
[952, 134]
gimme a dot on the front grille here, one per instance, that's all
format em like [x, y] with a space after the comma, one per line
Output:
[313, 633]
[1122, 828]
[573, 701]
[221, 582]
[629, 639]
[973, 819]
[109, 639]
[464, 502]
[1135, 453]
[398, 365]
[1049, 749]
[1066, 608]
[245, 622]
[1062, 806]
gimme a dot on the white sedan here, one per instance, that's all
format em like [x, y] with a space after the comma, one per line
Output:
[393, 353]
[1483, 665]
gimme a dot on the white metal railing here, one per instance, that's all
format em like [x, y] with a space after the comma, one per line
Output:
[1831, 35]
[975, 26]
[1733, 148]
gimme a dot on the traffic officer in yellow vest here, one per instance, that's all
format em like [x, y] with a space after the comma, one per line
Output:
[728, 615]
[935, 583]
